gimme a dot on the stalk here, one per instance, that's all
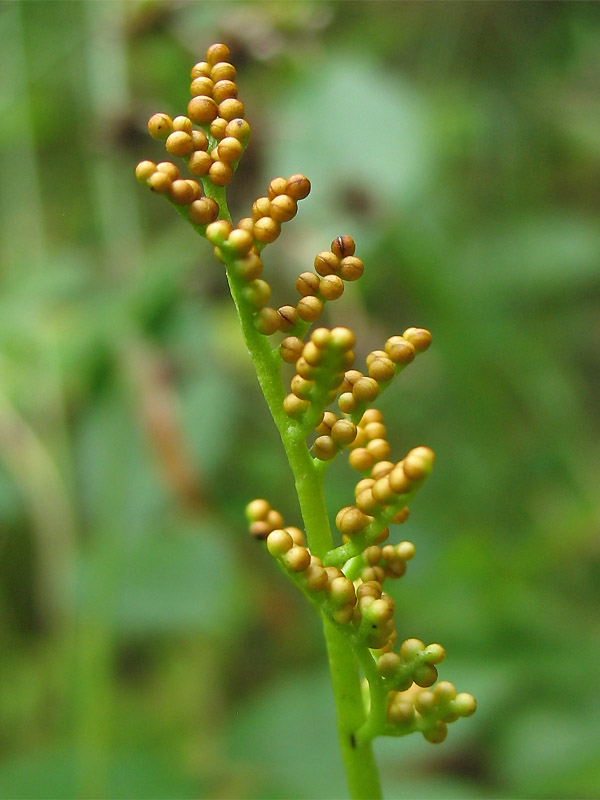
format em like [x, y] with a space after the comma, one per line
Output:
[359, 761]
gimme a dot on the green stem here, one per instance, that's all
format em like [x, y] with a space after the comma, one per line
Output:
[374, 723]
[309, 481]
[359, 761]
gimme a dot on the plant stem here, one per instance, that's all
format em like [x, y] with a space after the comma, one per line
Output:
[359, 761]
[361, 770]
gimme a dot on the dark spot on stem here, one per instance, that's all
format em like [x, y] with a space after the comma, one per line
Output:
[352, 741]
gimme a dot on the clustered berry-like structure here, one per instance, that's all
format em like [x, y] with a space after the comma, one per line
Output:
[345, 582]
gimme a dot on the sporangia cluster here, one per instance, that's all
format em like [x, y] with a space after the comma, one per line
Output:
[328, 402]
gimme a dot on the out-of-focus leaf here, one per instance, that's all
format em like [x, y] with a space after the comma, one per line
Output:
[55, 774]
[120, 488]
[50, 774]
[533, 257]
[181, 582]
[166, 582]
[350, 128]
[286, 739]
[550, 753]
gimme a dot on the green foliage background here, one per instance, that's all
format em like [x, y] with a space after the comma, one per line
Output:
[148, 648]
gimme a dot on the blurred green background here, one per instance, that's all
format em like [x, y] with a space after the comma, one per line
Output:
[149, 648]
